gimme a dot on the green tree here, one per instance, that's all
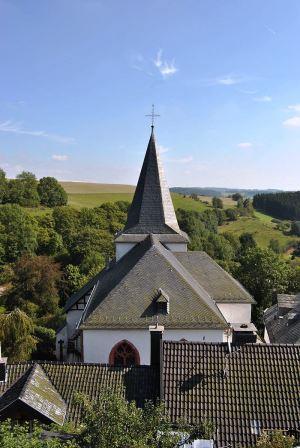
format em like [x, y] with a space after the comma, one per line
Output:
[23, 190]
[36, 281]
[247, 241]
[66, 222]
[16, 335]
[18, 233]
[231, 214]
[237, 196]
[51, 192]
[73, 279]
[3, 186]
[217, 202]
[264, 274]
[14, 435]
[90, 240]
[111, 421]
[275, 439]
[274, 245]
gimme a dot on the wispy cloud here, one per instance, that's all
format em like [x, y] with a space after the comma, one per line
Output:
[295, 107]
[270, 30]
[245, 145]
[163, 149]
[166, 68]
[16, 128]
[293, 122]
[60, 157]
[182, 160]
[228, 80]
[263, 99]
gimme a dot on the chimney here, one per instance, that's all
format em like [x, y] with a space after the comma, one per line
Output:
[2, 367]
[156, 332]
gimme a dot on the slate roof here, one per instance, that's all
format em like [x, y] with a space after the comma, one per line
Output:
[254, 386]
[282, 320]
[34, 389]
[125, 296]
[136, 383]
[220, 285]
[152, 210]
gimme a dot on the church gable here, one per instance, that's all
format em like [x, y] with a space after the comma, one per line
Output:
[128, 298]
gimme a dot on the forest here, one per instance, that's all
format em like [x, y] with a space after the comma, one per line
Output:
[283, 205]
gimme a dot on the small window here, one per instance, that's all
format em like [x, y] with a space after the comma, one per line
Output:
[162, 302]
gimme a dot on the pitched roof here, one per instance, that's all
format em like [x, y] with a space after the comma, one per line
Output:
[254, 386]
[34, 389]
[136, 383]
[220, 285]
[125, 296]
[152, 209]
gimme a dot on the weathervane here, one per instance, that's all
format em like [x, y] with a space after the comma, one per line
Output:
[153, 115]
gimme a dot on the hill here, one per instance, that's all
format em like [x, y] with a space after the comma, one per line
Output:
[283, 205]
[90, 188]
[219, 192]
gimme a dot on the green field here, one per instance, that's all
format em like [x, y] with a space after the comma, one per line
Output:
[79, 200]
[90, 188]
[262, 228]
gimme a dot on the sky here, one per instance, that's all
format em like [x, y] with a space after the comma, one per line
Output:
[77, 78]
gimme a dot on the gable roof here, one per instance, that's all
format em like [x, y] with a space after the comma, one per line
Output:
[253, 386]
[220, 285]
[136, 383]
[34, 389]
[152, 209]
[125, 296]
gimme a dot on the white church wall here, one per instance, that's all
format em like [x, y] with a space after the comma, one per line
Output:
[122, 249]
[236, 312]
[97, 344]
[195, 335]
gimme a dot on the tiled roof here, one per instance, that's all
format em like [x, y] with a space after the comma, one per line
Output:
[255, 386]
[35, 390]
[125, 296]
[220, 285]
[137, 383]
[152, 209]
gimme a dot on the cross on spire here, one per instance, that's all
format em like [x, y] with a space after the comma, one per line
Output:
[153, 115]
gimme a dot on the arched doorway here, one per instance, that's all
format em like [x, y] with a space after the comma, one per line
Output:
[124, 354]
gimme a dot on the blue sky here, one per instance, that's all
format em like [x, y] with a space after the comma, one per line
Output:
[78, 76]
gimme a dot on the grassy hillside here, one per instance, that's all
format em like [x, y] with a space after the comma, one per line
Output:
[262, 228]
[91, 188]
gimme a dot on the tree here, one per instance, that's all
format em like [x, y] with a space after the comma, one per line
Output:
[88, 241]
[275, 439]
[51, 192]
[264, 274]
[3, 186]
[237, 196]
[18, 233]
[14, 435]
[231, 214]
[295, 228]
[247, 241]
[111, 421]
[35, 281]
[23, 190]
[217, 202]
[16, 335]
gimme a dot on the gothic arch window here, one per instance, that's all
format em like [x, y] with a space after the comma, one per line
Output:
[124, 354]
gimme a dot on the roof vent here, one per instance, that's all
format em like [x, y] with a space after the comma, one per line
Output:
[162, 302]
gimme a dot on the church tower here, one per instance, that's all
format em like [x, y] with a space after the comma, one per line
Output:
[152, 210]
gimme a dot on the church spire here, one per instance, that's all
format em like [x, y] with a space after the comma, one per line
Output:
[152, 209]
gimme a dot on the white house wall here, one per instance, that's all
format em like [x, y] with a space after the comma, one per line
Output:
[236, 312]
[97, 344]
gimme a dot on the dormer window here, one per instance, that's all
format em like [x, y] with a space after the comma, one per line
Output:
[162, 302]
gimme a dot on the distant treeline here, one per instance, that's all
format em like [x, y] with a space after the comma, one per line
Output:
[284, 205]
[218, 192]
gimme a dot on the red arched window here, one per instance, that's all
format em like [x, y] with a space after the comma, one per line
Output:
[124, 354]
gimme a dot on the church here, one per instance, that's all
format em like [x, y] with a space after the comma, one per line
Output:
[154, 289]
